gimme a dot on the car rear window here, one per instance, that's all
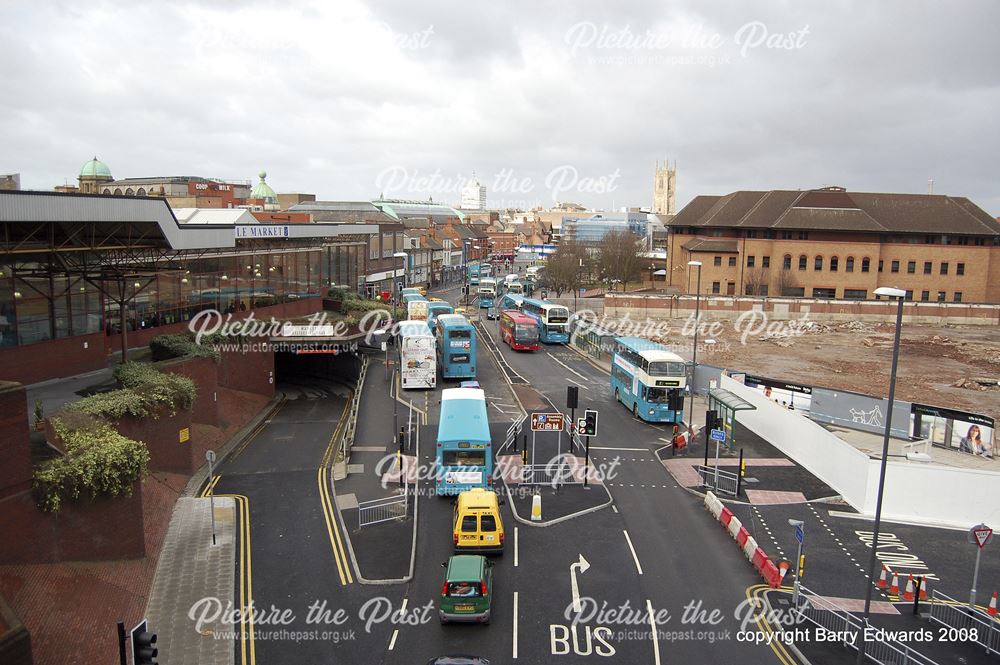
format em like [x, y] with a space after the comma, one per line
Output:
[469, 523]
[463, 590]
[488, 522]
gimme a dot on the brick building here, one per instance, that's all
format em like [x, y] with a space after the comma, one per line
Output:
[831, 243]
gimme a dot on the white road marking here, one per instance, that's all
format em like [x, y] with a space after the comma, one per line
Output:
[582, 565]
[515, 625]
[632, 549]
[392, 642]
[515, 547]
[652, 630]
[579, 384]
[614, 508]
[625, 449]
[566, 366]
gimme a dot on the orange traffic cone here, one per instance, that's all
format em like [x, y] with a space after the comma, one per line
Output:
[992, 609]
[882, 582]
[908, 594]
[894, 589]
[923, 588]
[783, 567]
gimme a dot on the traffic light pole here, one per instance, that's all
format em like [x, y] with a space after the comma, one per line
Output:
[121, 644]
[586, 466]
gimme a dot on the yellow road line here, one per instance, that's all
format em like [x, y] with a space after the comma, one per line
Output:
[765, 627]
[339, 556]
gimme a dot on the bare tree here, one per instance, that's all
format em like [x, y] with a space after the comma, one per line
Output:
[619, 256]
[784, 281]
[562, 271]
[755, 282]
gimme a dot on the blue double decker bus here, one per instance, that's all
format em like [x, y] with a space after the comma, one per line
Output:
[464, 454]
[511, 301]
[487, 293]
[552, 320]
[648, 379]
[435, 309]
[456, 347]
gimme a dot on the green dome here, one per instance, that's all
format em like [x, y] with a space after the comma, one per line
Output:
[262, 190]
[95, 168]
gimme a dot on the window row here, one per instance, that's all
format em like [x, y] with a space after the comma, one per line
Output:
[850, 263]
[862, 294]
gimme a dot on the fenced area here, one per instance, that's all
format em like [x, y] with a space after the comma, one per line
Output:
[383, 510]
[968, 625]
[725, 482]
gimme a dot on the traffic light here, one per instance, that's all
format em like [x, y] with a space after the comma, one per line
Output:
[572, 397]
[712, 420]
[589, 423]
[143, 650]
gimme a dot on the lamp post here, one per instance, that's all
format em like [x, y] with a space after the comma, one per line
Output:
[900, 296]
[392, 388]
[694, 358]
[800, 527]
[465, 267]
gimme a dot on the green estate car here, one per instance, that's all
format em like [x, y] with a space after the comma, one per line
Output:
[468, 589]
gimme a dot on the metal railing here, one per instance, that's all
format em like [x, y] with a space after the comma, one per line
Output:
[574, 438]
[827, 614]
[510, 438]
[352, 415]
[726, 482]
[972, 624]
[383, 510]
[556, 473]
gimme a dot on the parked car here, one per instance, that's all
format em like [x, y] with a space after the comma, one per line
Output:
[467, 592]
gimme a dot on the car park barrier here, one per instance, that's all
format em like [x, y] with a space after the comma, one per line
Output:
[747, 544]
[749, 548]
[725, 515]
[734, 526]
[741, 537]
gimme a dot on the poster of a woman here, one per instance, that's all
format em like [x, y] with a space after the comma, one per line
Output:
[975, 443]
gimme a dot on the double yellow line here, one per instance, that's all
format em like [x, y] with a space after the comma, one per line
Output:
[755, 594]
[329, 512]
[248, 648]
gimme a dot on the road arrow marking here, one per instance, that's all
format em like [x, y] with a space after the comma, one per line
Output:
[582, 565]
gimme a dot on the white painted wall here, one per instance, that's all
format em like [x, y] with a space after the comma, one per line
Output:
[917, 492]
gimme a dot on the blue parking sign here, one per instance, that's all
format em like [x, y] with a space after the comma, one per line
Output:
[718, 435]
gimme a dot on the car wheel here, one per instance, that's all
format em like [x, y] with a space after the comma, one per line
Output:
[635, 409]
[618, 398]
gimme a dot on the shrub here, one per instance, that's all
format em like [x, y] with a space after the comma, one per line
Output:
[355, 304]
[146, 393]
[98, 462]
[182, 345]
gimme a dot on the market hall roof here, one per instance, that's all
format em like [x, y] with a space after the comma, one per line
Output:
[836, 209]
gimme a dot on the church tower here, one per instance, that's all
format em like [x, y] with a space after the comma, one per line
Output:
[665, 189]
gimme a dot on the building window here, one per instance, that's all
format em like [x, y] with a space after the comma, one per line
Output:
[911, 267]
[959, 268]
[834, 263]
[716, 287]
[751, 233]
[866, 264]
[855, 294]
[880, 264]
[944, 268]
[750, 261]
[818, 263]
[766, 262]
[718, 261]
[803, 235]
[941, 296]
[909, 295]
[958, 296]
[769, 234]
[894, 266]
[979, 242]
[849, 264]
[928, 266]
[794, 291]
[803, 262]
[925, 295]
[786, 235]
[732, 261]
[963, 240]
[930, 240]
[786, 263]
[824, 293]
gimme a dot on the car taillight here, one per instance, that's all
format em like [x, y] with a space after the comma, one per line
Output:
[501, 537]
[444, 589]
[454, 537]
[482, 587]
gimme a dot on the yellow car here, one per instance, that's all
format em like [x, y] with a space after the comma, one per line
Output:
[460, 310]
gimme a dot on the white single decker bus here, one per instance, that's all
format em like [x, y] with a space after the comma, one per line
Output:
[418, 355]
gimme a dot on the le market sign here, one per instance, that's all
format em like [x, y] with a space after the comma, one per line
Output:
[261, 231]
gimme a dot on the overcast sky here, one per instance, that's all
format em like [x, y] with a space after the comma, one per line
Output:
[570, 101]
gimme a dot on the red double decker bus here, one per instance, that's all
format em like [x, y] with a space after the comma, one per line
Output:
[519, 330]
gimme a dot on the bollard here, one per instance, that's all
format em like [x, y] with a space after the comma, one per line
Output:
[536, 508]
[919, 581]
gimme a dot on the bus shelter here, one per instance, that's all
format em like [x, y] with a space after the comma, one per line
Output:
[726, 404]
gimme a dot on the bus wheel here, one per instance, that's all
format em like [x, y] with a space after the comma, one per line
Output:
[618, 398]
[635, 409]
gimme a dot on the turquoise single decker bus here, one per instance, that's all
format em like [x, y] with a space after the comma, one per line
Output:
[649, 380]
[464, 453]
[436, 308]
[456, 346]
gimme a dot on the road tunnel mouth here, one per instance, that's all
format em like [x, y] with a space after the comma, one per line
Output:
[312, 372]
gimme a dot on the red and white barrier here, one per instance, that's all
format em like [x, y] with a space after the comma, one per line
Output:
[754, 554]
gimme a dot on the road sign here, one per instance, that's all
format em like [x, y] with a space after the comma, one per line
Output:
[546, 422]
[981, 535]
[719, 435]
[581, 424]
[210, 456]
[800, 535]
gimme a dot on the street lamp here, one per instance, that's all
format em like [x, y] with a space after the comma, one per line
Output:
[900, 296]
[694, 359]
[392, 388]
[799, 526]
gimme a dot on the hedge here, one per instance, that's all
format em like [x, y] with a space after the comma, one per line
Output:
[181, 345]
